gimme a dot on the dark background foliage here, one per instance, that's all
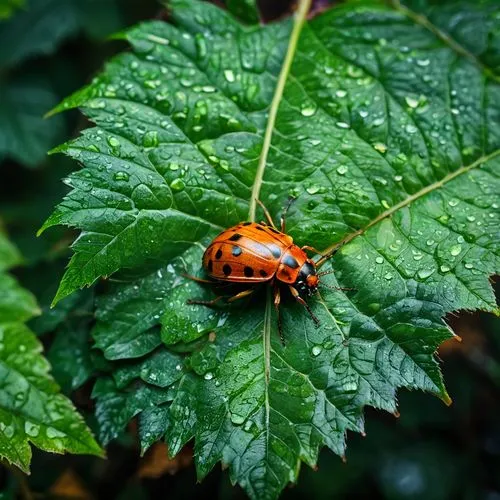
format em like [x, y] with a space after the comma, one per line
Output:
[48, 49]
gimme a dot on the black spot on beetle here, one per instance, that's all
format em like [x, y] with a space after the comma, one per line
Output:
[259, 227]
[226, 269]
[290, 261]
[236, 251]
[248, 272]
[210, 265]
[247, 223]
[263, 273]
[218, 254]
[275, 231]
[275, 250]
[235, 237]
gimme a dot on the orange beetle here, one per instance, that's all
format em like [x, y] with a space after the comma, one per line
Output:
[256, 253]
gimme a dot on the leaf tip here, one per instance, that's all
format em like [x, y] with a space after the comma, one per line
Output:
[446, 399]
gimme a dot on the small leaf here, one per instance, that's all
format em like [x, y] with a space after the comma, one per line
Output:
[246, 10]
[25, 136]
[8, 7]
[69, 355]
[42, 25]
[31, 407]
[9, 255]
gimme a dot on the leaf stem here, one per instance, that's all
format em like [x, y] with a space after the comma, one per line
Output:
[328, 252]
[300, 19]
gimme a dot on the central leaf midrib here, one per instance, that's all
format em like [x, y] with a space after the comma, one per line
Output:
[300, 18]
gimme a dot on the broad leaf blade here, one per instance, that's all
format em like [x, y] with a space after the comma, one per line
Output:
[31, 406]
[390, 140]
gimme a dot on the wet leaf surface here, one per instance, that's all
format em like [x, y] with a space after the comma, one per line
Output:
[387, 131]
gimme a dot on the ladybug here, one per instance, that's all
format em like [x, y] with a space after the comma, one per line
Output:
[256, 253]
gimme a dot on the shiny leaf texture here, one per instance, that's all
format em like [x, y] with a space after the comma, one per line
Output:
[31, 406]
[387, 132]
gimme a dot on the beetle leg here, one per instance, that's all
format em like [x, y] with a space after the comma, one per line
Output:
[241, 295]
[198, 280]
[285, 211]
[277, 300]
[208, 303]
[312, 249]
[300, 300]
[266, 213]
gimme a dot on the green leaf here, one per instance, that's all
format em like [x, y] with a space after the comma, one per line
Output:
[474, 33]
[9, 255]
[24, 134]
[44, 24]
[31, 406]
[246, 10]
[69, 355]
[8, 7]
[387, 134]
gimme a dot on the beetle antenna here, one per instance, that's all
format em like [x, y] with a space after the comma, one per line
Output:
[324, 273]
[337, 287]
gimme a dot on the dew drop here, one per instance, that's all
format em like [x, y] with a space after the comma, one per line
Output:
[425, 273]
[208, 376]
[308, 110]
[229, 75]
[31, 429]
[150, 139]
[237, 419]
[113, 142]
[380, 147]
[342, 169]
[455, 250]
[313, 189]
[341, 93]
[54, 433]
[412, 103]
[177, 185]
[379, 260]
[316, 350]
[121, 176]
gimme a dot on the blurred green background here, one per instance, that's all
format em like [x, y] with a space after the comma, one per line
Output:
[48, 49]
